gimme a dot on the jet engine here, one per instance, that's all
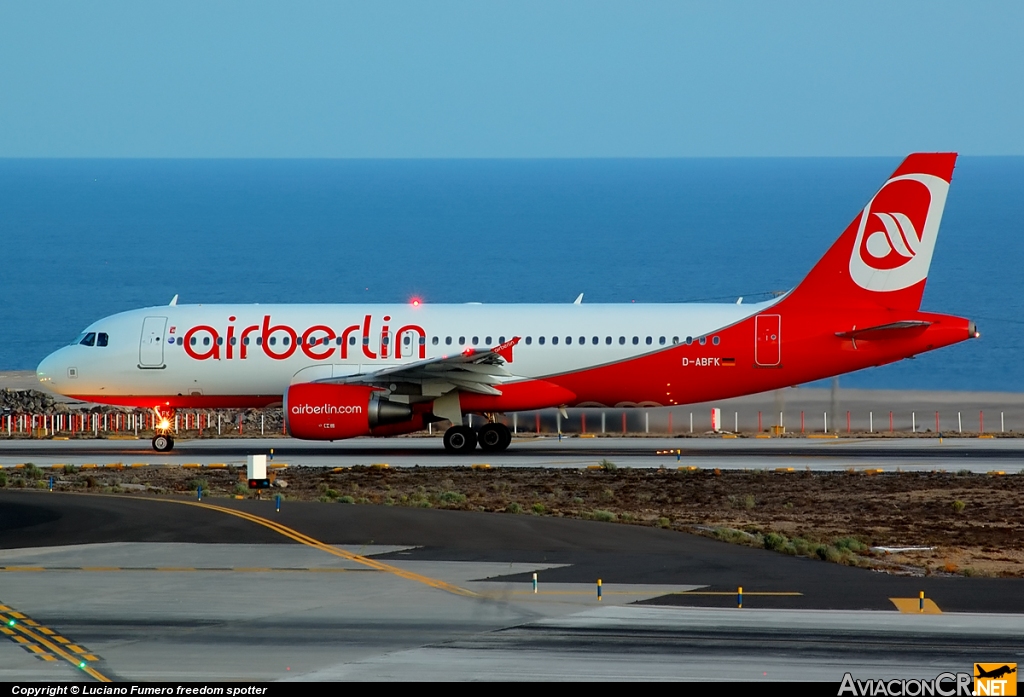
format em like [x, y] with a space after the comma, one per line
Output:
[321, 411]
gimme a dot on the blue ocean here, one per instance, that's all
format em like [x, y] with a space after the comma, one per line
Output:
[81, 239]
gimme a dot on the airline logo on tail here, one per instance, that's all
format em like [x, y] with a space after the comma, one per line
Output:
[897, 231]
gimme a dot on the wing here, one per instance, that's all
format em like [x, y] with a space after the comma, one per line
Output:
[473, 370]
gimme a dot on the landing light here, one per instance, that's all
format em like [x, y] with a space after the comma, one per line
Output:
[164, 423]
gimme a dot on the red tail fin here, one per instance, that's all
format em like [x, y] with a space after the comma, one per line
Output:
[882, 258]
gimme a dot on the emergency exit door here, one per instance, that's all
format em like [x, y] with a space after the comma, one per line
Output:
[151, 345]
[768, 339]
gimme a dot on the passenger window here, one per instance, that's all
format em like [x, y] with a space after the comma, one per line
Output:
[234, 341]
[385, 340]
[101, 339]
[245, 341]
[285, 341]
[434, 341]
[448, 340]
[476, 340]
[192, 341]
[636, 340]
[661, 340]
[487, 341]
[715, 341]
[423, 341]
[568, 340]
[622, 341]
[554, 340]
[351, 341]
[703, 340]
[650, 341]
[540, 340]
[366, 341]
[273, 341]
[220, 341]
[298, 340]
[583, 340]
[462, 341]
[608, 340]
[501, 340]
[689, 340]
[89, 340]
[675, 340]
[338, 341]
[529, 340]
[259, 341]
[594, 341]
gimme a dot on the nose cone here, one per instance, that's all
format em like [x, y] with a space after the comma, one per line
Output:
[50, 371]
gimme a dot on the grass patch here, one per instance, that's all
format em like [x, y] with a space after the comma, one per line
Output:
[604, 516]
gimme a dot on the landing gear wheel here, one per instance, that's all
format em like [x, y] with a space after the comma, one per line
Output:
[162, 443]
[494, 437]
[459, 439]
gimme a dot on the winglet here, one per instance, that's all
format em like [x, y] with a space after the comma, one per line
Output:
[505, 350]
[578, 300]
[174, 300]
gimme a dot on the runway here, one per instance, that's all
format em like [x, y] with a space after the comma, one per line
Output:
[172, 589]
[978, 455]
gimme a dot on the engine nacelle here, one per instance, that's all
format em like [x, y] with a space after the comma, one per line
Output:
[320, 411]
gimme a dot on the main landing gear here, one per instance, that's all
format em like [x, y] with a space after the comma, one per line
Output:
[492, 437]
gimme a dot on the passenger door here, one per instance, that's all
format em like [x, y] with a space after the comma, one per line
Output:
[768, 340]
[151, 344]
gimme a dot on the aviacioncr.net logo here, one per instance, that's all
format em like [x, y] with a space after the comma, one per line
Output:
[896, 233]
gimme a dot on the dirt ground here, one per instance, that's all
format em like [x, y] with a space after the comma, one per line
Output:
[972, 522]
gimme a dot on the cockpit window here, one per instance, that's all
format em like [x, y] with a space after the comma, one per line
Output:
[101, 339]
[89, 339]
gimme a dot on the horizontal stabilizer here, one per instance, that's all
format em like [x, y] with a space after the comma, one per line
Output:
[894, 330]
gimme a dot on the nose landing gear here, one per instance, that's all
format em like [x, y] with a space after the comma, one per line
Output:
[162, 440]
[162, 443]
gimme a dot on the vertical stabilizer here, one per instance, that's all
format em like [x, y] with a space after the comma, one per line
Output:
[882, 258]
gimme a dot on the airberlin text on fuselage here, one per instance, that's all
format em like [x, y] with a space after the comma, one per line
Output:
[319, 342]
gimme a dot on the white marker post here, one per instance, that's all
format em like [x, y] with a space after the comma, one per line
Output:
[256, 468]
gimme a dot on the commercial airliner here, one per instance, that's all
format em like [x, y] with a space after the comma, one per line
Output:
[342, 371]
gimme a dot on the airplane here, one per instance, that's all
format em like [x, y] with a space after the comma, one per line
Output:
[344, 371]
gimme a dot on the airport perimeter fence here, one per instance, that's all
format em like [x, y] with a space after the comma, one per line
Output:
[595, 422]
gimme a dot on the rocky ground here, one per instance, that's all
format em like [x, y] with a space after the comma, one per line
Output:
[973, 523]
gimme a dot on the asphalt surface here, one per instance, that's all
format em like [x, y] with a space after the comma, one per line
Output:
[152, 589]
[615, 553]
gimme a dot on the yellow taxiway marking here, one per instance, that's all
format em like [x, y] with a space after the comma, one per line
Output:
[912, 606]
[36, 639]
[317, 544]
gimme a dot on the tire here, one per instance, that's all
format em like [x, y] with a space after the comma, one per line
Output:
[494, 437]
[459, 439]
[162, 444]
